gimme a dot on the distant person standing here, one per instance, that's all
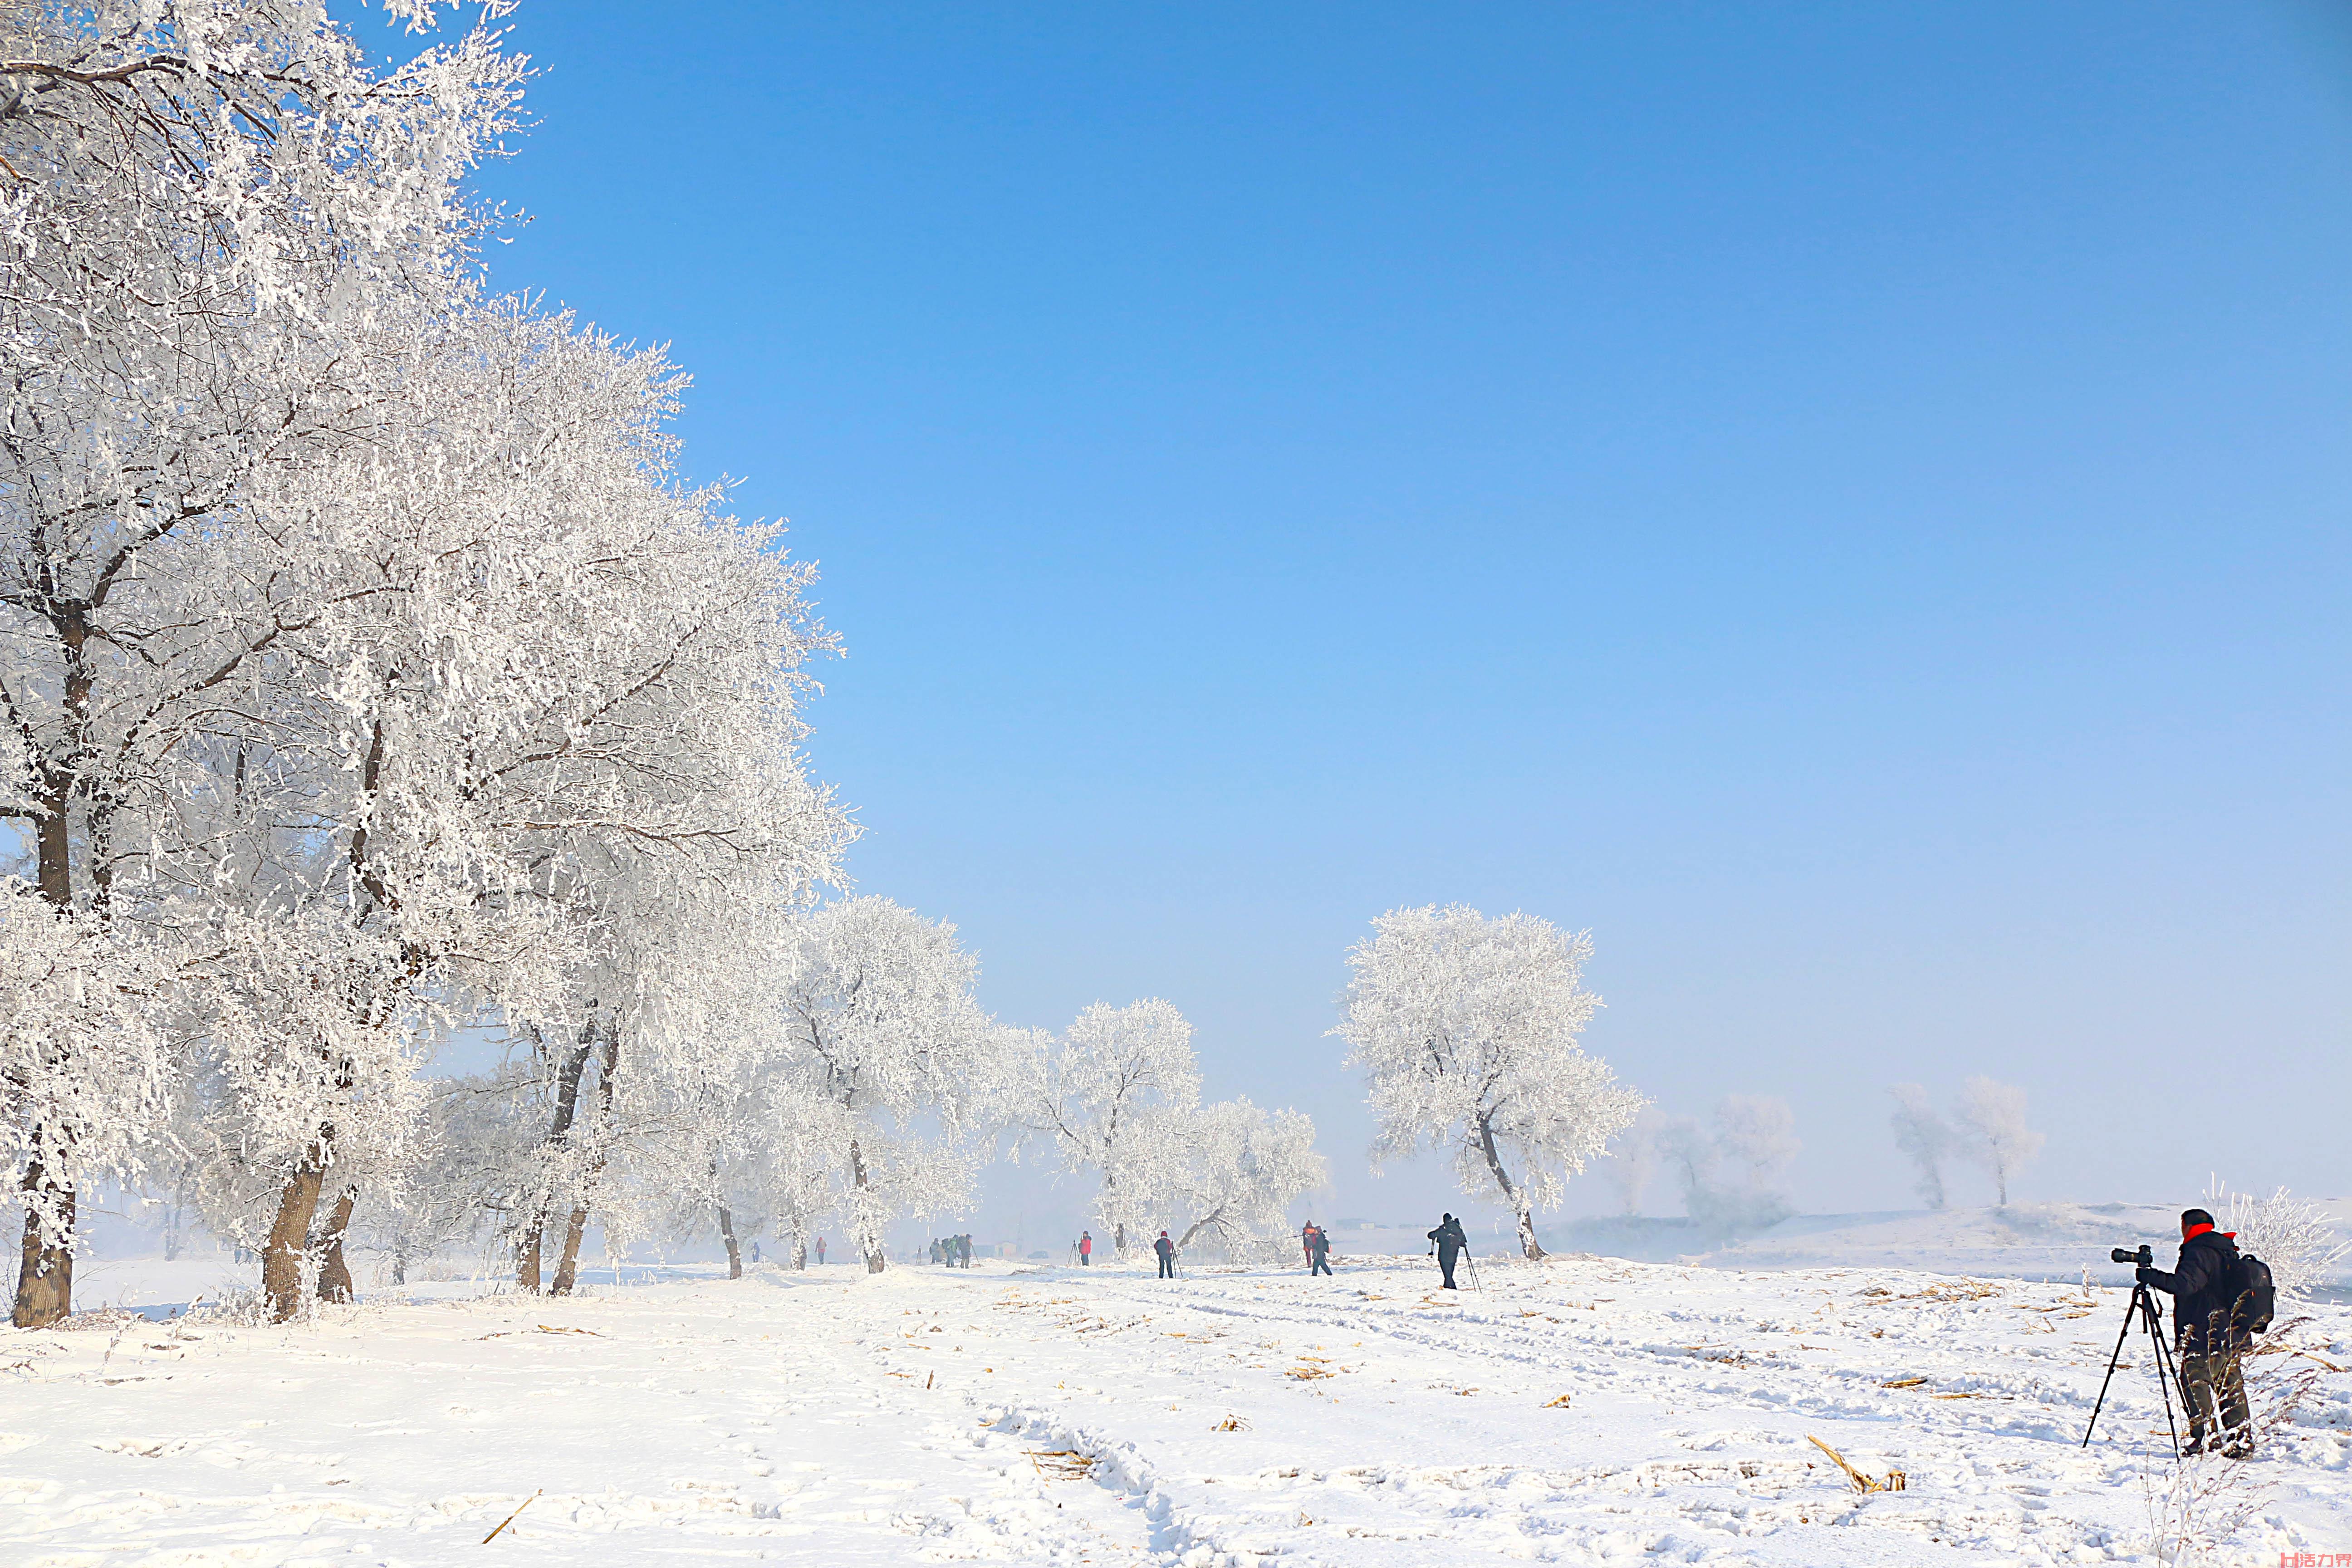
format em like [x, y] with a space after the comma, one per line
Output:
[820, 1251]
[1307, 1242]
[1318, 1250]
[963, 1250]
[755, 1254]
[1447, 1241]
[1085, 1249]
[1167, 1250]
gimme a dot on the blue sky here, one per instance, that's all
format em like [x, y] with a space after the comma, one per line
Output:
[1849, 503]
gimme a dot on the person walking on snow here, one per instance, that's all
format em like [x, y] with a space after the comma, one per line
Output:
[1167, 1250]
[1448, 1242]
[820, 1251]
[1318, 1250]
[1085, 1249]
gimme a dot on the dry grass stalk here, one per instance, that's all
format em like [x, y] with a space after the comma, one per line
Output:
[1895, 1482]
[512, 1517]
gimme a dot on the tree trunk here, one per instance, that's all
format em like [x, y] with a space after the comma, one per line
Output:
[281, 1259]
[567, 1272]
[400, 1266]
[869, 1240]
[800, 1251]
[734, 1253]
[1511, 1193]
[559, 1133]
[44, 1272]
[44, 1275]
[527, 1257]
[175, 1217]
[334, 1273]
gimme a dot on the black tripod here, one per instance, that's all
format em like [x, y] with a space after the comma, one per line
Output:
[2143, 1308]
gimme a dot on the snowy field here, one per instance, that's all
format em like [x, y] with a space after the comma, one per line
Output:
[1589, 1410]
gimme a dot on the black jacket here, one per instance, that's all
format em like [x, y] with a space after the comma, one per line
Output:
[1449, 1236]
[2204, 1289]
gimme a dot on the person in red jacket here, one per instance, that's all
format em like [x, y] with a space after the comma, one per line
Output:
[1087, 1248]
[1166, 1251]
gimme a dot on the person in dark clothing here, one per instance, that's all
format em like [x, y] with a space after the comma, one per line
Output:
[2207, 1308]
[1167, 1250]
[1318, 1250]
[1447, 1241]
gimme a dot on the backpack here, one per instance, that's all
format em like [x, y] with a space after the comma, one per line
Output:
[2257, 1300]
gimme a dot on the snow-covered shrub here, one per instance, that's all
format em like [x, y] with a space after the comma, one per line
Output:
[2292, 1235]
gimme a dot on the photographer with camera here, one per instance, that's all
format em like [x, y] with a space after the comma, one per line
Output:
[2209, 1293]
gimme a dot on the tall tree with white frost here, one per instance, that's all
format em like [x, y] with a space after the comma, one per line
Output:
[1229, 1172]
[1925, 1138]
[212, 212]
[1467, 1030]
[882, 1029]
[1637, 1158]
[1999, 1139]
[1090, 1093]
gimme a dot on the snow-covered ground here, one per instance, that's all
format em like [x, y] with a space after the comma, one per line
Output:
[1589, 1410]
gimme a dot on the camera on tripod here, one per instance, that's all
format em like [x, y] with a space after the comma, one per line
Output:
[2144, 1312]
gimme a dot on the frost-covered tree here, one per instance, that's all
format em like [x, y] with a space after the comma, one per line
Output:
[1925, 1138]
[1730, 1172]
[789, 1163]
[212, 211]
[81, 1075]
[1229, 1172]
[1994, 1115]
[1467, 1030]
[1637, 1157]
[1756, 1137]
[883, 1030]
[1090, 1092]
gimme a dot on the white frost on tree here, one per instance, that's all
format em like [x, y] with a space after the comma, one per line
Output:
[1730, 1172]
[2293, 1235]
[1467, 1031]
[219, 221]
[1091, 1091]
[1637, 1158]
[1926, 1139]
[1995, 1134]
[882, 1030]
[1228, 1173]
